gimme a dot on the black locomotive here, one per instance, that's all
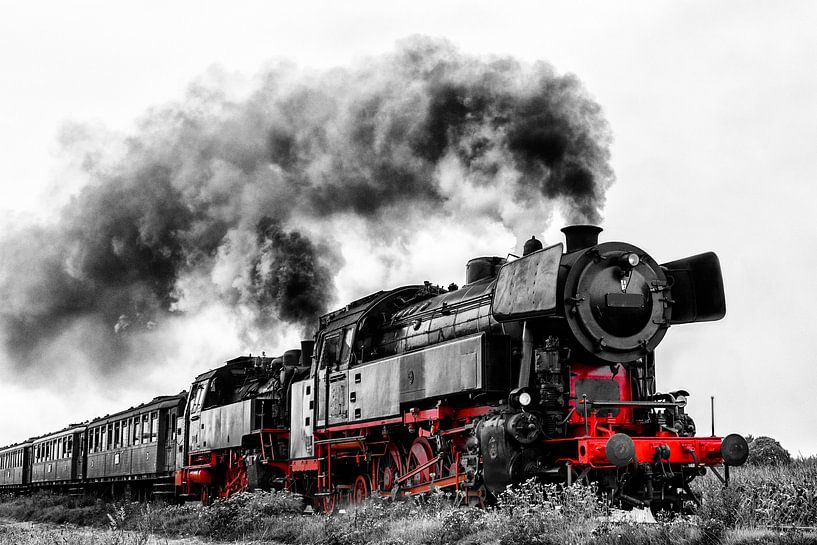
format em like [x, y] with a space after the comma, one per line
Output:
[541, 366]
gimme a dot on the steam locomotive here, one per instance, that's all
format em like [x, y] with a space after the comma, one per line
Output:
[542, 366]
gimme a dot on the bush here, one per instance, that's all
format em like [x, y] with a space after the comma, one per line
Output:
[765, 451]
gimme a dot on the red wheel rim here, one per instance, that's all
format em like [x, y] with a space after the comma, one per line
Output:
[420, 454]
[360, 490]
[389, 468]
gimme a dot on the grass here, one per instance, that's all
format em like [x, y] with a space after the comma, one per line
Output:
[759, 507]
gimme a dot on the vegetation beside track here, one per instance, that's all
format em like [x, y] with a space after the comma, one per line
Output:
[764, 504]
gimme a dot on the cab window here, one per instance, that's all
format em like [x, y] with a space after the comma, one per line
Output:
[346, 348]
[330, 354]
[198, 397]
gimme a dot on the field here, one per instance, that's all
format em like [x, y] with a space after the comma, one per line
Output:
[763, 505]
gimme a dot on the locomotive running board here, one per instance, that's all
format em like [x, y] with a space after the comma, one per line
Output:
[344, 443]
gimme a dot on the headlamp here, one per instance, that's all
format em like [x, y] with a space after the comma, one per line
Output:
[520, 398]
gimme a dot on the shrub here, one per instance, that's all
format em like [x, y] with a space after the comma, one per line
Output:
[766, 451]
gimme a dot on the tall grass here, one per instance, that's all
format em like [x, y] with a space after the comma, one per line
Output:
[759, 498]
[763, 496]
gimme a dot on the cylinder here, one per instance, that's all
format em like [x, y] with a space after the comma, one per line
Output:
[200, 476]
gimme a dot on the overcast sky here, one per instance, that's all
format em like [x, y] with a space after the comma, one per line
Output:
[712, 106]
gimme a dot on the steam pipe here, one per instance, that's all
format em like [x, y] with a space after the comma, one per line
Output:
[527, 355]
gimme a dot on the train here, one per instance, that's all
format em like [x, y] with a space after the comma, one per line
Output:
[541, 366]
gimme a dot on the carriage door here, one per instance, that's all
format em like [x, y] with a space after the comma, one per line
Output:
[333, 405]
[169, 439]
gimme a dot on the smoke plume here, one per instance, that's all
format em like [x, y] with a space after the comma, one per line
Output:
[225, 196]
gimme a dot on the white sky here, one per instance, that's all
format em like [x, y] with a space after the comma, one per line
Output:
[713, 106]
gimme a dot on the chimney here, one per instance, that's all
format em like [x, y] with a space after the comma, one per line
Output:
[579, 237]
[307, 347]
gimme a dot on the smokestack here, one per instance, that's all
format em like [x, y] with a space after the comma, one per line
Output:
[307, 347]
[579, 237]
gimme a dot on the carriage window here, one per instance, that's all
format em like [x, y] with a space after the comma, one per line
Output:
[154, 426]
[137, 430]
[145, 428]
[331, 351]
[70, 447]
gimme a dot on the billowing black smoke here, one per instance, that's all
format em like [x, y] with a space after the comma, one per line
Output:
[212, 198]
[289, 281]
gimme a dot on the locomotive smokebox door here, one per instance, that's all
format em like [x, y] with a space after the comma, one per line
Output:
[697, 289]
[526, 288]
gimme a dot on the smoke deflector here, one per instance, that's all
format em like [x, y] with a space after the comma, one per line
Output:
[696, 289]
[526, 288]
